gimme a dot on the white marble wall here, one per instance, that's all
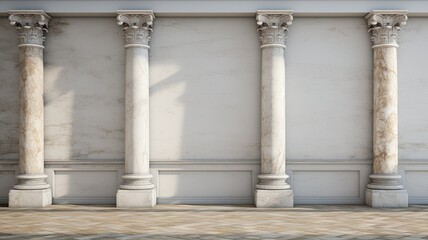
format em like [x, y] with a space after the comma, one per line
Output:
[9, 91]
[84, 89]
[329, 89]
[412, 91]
[205, 89]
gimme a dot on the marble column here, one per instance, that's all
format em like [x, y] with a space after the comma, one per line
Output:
[31, 189]
[137, 189]
[273, 189]
[385, 189]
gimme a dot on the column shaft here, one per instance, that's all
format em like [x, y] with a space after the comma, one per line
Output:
[137, 111]
[273, 111]
[31, 131]
[385, 118]
[137, 130]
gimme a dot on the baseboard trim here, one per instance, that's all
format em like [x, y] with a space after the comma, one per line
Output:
[206, 201]
[328, 200]
[83, 200]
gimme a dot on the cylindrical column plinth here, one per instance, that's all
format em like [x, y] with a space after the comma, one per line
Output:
[385, 189]
[272, 189]
[137, 189]
[32, 189]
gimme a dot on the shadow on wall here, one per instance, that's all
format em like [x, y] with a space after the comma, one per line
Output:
[9, 91]
[9, 106]
[84, 90]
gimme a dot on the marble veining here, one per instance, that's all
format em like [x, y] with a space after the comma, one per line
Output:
[9, 92]
[385, 110]
[31, 25]
[31, 110]
[32, 189]
[385, 189]
[273, 190]
[137, 189]
[273, 98]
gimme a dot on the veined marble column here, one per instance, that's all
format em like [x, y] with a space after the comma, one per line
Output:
[273, 189]
[137, 189]
[32, 189]
[385, 189]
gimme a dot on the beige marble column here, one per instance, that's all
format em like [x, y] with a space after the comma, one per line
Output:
[137, 189]
[31, 189]
[273, 189]
[385, 189]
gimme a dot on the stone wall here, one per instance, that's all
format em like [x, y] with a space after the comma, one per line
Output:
[205, 109]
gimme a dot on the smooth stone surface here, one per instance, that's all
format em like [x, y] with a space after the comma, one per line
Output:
[30, 198]
[137, 111]
[136, 198]
[387, 198]
[273, 111]
[32, 190]
[84, 86]
[384, 27]
[273, 102]
[204, 89]
[273, 198]
[137, 28]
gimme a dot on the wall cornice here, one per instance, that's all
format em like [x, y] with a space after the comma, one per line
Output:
[215, 8]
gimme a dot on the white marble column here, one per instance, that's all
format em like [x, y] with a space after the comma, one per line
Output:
[137, 189]
[385, 189]
[31, 189]
[273, 189]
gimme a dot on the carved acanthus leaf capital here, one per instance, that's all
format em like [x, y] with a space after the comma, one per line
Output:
[31, 25]
[272, 26]
[384, 27]
[137, 26]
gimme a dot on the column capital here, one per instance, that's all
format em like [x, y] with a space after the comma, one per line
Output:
[31, 24]
[384, 26]
[272, 25]
[137, 25]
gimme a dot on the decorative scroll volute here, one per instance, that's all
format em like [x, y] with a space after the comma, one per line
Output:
[272, 26]
[137, 26]
[384, 27]
[31, 25]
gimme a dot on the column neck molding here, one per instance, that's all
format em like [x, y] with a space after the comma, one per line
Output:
[384, 27]
[31, 25]
[272, 26]
[137, 26]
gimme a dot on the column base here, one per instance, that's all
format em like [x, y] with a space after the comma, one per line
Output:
[273, 198]
[30, 198]
[136, 198]
[387, 198]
